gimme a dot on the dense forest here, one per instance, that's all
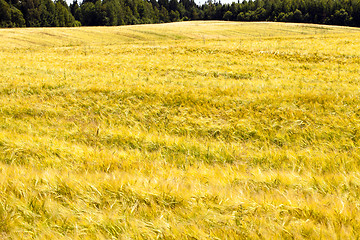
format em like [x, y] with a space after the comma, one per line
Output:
[47, 13]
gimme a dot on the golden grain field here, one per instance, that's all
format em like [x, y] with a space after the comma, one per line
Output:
[193, 130]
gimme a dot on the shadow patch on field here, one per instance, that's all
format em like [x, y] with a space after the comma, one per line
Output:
[213, 74]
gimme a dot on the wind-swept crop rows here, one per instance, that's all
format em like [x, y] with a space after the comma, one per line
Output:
[181, 131]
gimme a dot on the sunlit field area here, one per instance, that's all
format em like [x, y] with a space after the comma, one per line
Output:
[193, 130]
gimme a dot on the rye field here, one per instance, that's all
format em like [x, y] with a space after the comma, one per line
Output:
[192, 130]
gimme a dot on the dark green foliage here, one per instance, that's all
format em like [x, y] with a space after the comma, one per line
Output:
[228, 16]
[46, 13]
[5, 15]
[88, 14]
[339, 12]
[164, 15]
[63, 17]
[10, 16]
[17, 18]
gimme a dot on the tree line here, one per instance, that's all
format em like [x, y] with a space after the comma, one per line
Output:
[48, 13]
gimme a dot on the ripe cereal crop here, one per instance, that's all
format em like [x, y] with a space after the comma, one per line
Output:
[190, 130]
